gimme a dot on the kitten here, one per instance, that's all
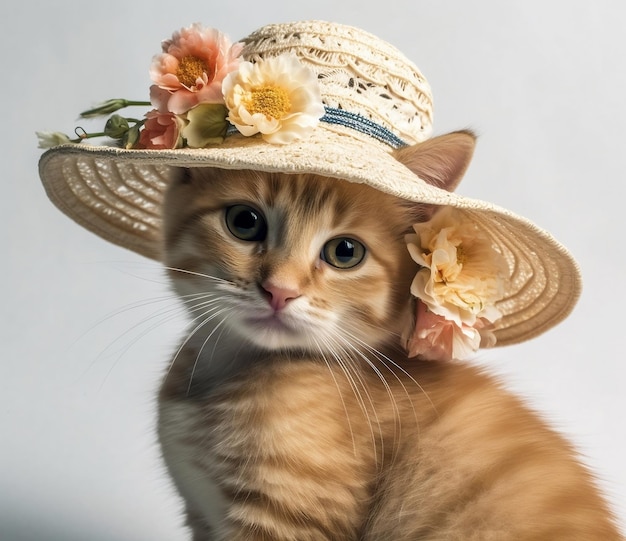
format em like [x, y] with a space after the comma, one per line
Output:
[291, 411]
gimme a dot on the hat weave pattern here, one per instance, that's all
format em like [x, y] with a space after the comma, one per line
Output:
[359, 73]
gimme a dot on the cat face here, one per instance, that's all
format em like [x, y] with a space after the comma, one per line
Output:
[297, 262]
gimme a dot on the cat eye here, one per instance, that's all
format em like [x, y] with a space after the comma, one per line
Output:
[246, 223]
[343, 252]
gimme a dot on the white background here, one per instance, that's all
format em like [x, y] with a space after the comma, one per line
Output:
[86, 330]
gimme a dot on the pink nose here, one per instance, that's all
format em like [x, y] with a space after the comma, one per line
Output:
[277, 296]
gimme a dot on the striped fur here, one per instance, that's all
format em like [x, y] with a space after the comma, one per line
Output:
[312, 424]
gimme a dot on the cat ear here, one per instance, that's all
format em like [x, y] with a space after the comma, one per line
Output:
[442, 160]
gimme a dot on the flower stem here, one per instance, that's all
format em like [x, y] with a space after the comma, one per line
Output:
[82, 135]
[110, 106]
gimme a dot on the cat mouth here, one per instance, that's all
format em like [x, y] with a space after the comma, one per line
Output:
[272, 322]
[273, 331]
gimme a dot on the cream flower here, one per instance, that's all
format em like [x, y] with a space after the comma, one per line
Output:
[192, 68]
[462, 276]
[51, 139]
[277, 97]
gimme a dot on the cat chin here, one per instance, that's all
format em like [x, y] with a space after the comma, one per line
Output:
[272, 333]
[276, 341]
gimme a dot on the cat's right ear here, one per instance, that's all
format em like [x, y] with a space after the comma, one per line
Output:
[442, 160]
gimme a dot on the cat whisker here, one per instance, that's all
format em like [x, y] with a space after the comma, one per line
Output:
[201, 304]
[358, 386]
[160, 317]
[218, 338]
[199, 274]
[345, 408]
[204, 343]
[350, 367]
[388, 363]
[357, 353]
[213, 312]
[129, 307]
[211, 305]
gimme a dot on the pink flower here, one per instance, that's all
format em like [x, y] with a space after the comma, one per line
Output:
[436, 338]
[161, 131]
[159, 98]
[192, 66]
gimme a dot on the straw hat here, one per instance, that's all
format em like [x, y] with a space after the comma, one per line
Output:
[374, 100]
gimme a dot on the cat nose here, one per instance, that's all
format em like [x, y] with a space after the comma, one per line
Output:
[278, 296]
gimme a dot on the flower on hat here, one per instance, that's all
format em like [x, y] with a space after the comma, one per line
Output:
[201, 87]
[161, 131]
[460, 280]
[192, 67]
[437, 338]
[50, 139]
[277, 97]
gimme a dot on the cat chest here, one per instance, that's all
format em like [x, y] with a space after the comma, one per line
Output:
[294, 437]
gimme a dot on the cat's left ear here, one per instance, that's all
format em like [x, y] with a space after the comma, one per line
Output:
[442, 160]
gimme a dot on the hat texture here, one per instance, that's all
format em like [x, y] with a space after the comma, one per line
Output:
[375, 100]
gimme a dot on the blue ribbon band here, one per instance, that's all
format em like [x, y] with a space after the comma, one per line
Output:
[356, 122]
[363, 125]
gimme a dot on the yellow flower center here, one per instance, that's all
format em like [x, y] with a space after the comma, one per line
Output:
[271, 101]
[190, 68]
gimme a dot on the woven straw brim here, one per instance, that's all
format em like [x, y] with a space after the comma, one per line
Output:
[117, 194]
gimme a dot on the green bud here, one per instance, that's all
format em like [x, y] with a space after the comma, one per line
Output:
[130, 138]
[104, 108]
[110, 106]
[116, 127]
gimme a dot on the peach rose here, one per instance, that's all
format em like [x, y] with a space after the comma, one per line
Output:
[161, 131]
[192, 67]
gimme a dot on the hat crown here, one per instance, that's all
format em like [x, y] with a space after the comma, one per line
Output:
[359, 74]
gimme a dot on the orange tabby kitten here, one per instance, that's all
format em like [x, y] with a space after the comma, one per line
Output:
[291, 410]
